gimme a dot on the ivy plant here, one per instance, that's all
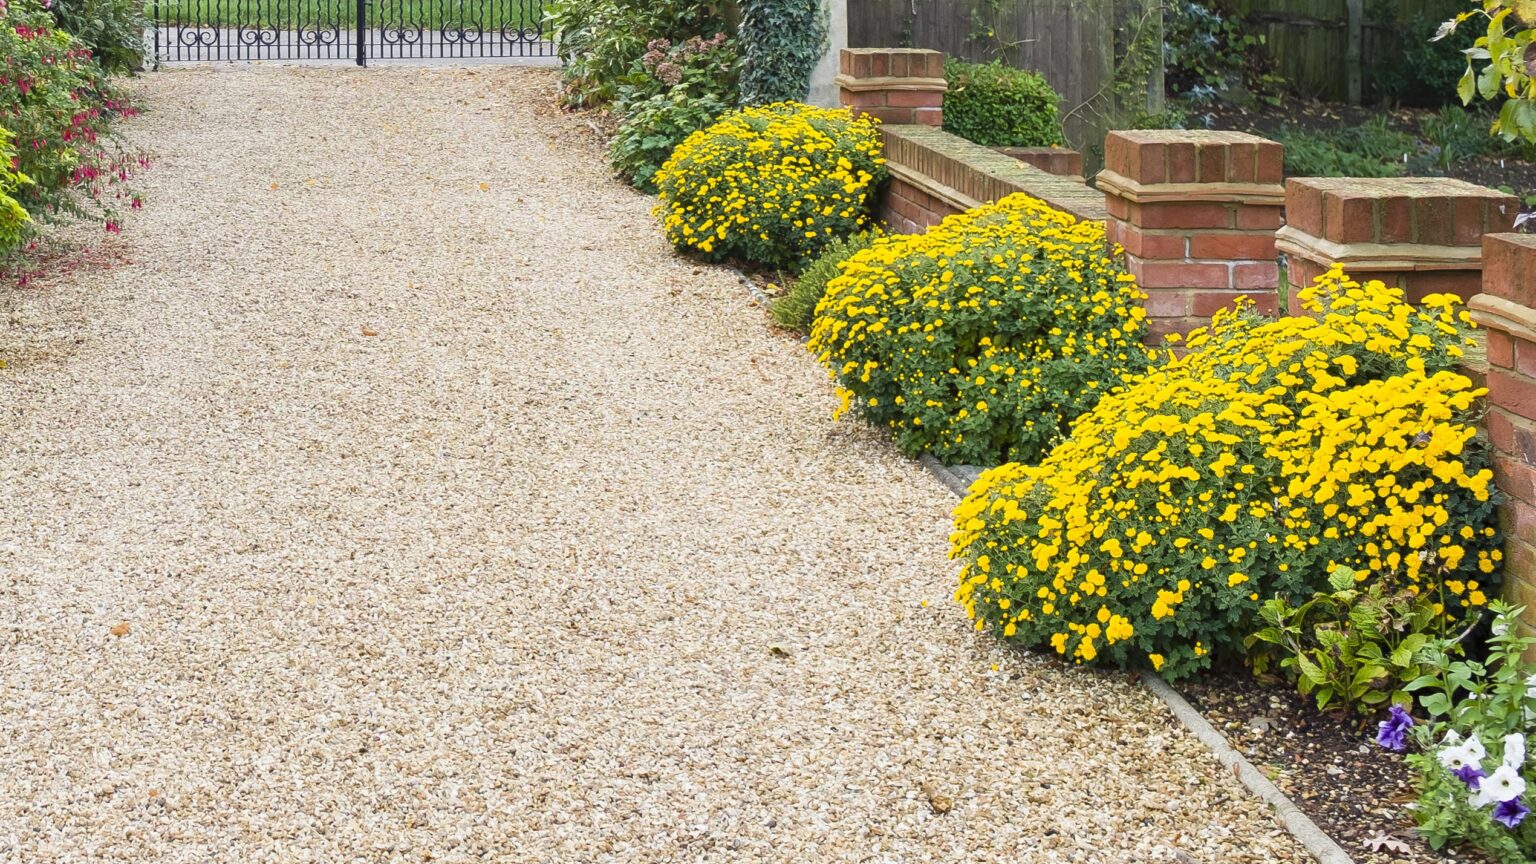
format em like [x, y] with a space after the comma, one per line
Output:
[781, 42]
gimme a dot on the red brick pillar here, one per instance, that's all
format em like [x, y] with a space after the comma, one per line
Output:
[897, 85]
[1196, 212]
[1420, 234]
[1506, 310]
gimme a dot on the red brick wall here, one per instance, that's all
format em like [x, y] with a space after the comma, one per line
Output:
[906, 209]
[1507, 312]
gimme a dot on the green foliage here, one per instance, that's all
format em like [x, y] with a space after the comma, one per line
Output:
[1210, 55]
[678, 90]
[1355, 645]
[13, 216]
[1479, 715]
[653, 128]
[1505, 47]
[1423, 71]
[602, 41]
[773, 185]
[999, 106]
[797, 308]
[113, 30]
[59, 109]
[782, 41]
[983, 339]
[1371, 149]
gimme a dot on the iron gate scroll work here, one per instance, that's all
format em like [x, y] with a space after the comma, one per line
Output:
[348, 30]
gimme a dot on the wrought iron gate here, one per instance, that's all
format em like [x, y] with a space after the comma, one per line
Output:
[348, 30]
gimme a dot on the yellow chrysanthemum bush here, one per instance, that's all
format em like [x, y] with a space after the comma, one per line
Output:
[1252, 466]
[981, 340]
[772, 185]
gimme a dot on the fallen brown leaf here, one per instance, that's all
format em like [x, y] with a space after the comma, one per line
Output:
[941, 804]
[122, 629]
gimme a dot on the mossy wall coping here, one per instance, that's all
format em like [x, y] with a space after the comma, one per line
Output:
[964, 174]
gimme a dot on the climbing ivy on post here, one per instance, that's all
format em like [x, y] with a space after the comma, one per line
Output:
[781, 42]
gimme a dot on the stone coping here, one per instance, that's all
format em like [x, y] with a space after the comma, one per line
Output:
[1496, 313]
[864, 85]
[1396, 257]
[1257, 194]
[963, 174]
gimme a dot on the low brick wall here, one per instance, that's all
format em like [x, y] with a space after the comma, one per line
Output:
[935, 174]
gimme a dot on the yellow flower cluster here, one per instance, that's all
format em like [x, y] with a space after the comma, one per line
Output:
[1270, 453]
[981, 340]
[772, 185]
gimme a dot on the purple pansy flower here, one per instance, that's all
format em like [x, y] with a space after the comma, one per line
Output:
[1510, 813]
[1470, 775]
[1393, 731]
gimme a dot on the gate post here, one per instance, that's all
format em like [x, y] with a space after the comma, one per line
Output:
[362, 32]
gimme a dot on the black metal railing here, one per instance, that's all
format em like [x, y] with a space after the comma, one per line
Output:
[347, 30]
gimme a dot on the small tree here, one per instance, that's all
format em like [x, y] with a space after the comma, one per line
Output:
[1510, 56]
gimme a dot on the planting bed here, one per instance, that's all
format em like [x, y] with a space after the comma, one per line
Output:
[1329, 764]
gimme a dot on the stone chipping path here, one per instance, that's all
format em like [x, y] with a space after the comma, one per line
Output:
[566, 563]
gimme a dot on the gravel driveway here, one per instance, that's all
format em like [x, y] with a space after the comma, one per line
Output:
[389, 492]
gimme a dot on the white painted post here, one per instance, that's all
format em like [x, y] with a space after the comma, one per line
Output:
[823, 87]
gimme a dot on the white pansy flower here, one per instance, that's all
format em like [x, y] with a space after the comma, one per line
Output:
[1530, 686]
[1469, 752]
[1514, 750]
[1502, 785]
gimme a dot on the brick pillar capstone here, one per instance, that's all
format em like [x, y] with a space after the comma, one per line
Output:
[1420, 234]
[1196, 212]
[896, 85]
[1506, 310]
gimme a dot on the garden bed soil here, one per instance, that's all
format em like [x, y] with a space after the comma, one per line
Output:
[1303, 115]
[1329, 765]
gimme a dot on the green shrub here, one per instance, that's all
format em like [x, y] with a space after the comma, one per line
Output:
[602, 42]
[653, 128]
[1210, 55]
[679, 90]
[797, 308]
[1249, 467]
[1357, 646]
[13, 216]
[1371, 149]
[999, 106]
[1422, 69]
[782, 40]
[113, 30]
[772, 185]
[59, 109]
[983, 339]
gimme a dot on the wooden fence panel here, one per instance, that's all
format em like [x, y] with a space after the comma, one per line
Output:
[1071, 42]
[1309, 38]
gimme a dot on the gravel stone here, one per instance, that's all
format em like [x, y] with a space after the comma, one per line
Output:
[566, 563]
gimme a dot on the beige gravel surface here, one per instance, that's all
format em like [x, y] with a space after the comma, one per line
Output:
[566, 563]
